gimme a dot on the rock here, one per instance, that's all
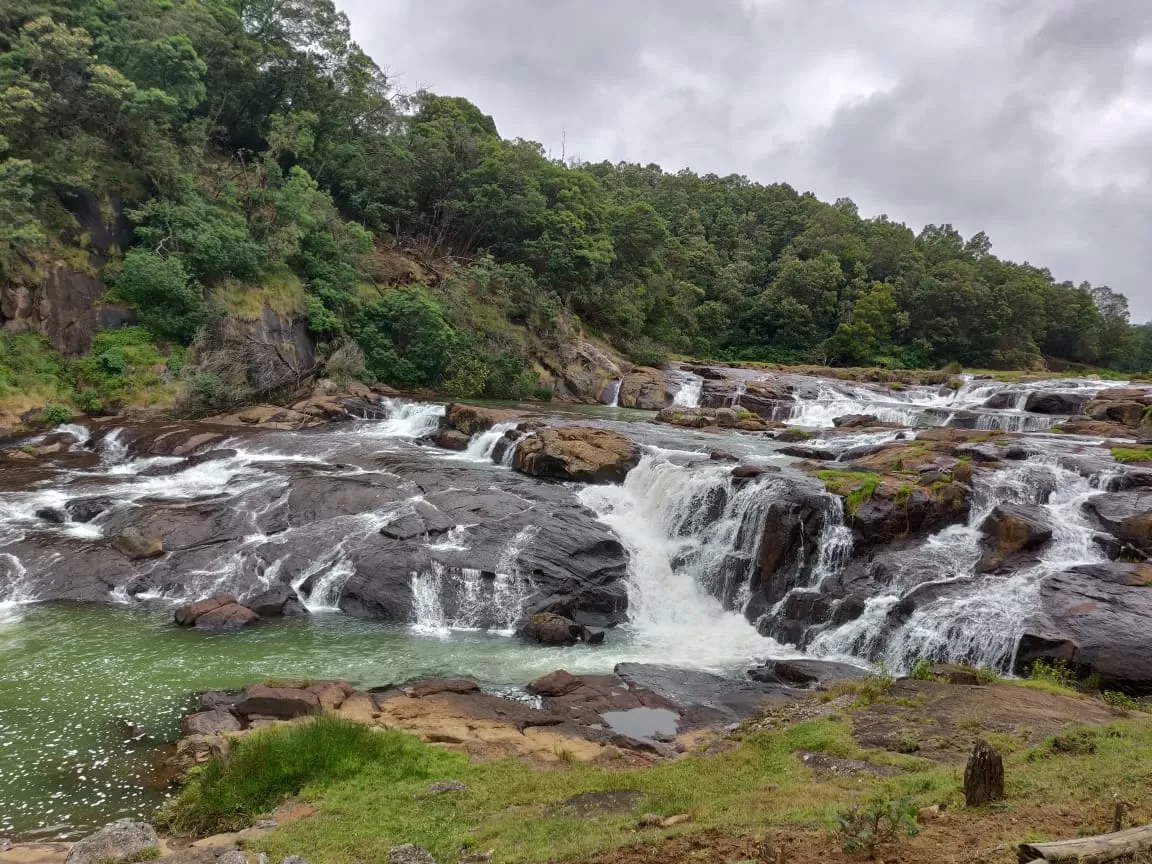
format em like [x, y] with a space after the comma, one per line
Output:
[820, 674]
[186, 615]
[1011, 529]
[1125, 413]
[646, 389]
[678, 819]
[470, 419]
[1056, 403]
[721, 456]
[959, 675]
[443, 787]
[283, 703]
[134, 545]
[56, 515]
[214, 722]
[799, 451]
[279, 601]
[1127, 516]
[452, 439]
[121, 842]
[726, 418]
[793, 435]
[856, 421]
[558, 683]
[424, 687]
[928, 814]
[751, 472]
[199, 750]
[791, 526]
[551, 629]
[231, 616]
[1095, 618]
[409, 854]
[577, 453]
[291, 859]
[87, 509]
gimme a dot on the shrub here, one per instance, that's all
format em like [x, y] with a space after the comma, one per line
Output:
[159, 288]
[1124, 701]
[346, 362]
[122, 367]
[1054, 672]
[922, 670]
[406, 341]
[953, 368]
[53, 415]
[266, 766]
[880, 821]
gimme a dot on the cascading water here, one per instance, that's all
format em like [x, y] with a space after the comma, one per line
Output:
[611, 396]
[738, 393]
[482, 445]
[980, 618]
[688, 396]
[407, 419]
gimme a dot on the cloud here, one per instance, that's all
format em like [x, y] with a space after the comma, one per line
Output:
[1028, 119]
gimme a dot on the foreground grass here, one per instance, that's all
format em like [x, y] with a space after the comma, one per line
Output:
[371, 788]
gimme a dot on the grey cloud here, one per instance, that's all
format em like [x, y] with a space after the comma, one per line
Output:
[1028, 119]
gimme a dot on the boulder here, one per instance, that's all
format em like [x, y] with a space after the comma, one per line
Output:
[121, 842]
[856, 421]
[1012, 529]
[186, 615]
[1096, 618]
[135, 545]
[216, 722]
[578, 453]
[55, 515]
[800, 451]
[279, 601]
[284, 703]
[558, 683]
[1127, 516]
[793, 435]
[409, 854]
[1056, 403]
[819, 674]
[1125, 413]
[647, 389]
[451, 439]
[231, 616]
[87, 509]
[470, 419]
[726, 418]
[551, 629]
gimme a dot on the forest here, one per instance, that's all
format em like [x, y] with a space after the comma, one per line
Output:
[256, 149]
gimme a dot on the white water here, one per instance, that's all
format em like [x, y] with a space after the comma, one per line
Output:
[680, 560]
[612, 394]
[980, 624]
[482, 444]
[406, 420]
[691, 388]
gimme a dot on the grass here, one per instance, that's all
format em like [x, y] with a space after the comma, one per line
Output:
[281, 291]
[370, 788]
[855, 487]
[1129, 454]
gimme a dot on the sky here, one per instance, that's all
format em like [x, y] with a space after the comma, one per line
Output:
[1030, 120]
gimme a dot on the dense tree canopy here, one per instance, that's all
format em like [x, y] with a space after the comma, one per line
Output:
[254, 137]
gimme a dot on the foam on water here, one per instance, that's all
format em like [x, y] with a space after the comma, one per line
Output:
[406, 419]
[691, 388]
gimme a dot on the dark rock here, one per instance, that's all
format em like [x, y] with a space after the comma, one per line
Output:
[423, 687]
[218, 700]
[980, 452]
[1125, 413]
[56, 515]
[284, 703]
[721, 456]
[1011, 529]
[550, 629]
[279, 601]
[959, 675]
[799, 451]
[134, 545]
[725, 697]
[809, 673]
[1096, 618]
[470, 419]
[87, 509]
[751, 472]
[451, 439]
[1056, 403]
[210, 723]
[1127, 516]
[856, 421]
[792, 435]
[791, 527]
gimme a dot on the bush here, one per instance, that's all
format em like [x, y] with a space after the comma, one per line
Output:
[28, 364]
[406, 341]
[346, 363]
[953, 368]
[159, 288]
[878, 822]
[1054, 672]
[53, 415]
[122, 367]
[266, 766]
[922, 670]
[1124, 701]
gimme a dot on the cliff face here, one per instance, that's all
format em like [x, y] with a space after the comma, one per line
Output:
[63, 300]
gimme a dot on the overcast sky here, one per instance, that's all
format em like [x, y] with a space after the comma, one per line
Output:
[1028, 119]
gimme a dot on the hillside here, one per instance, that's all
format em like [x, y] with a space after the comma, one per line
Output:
[206, 202]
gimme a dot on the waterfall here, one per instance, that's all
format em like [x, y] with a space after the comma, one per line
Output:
[481, 445]
[688, 396]
[113, 449]
[692, 537]
[408, 419]
[611, 396]
[981, 617]
[737, 393]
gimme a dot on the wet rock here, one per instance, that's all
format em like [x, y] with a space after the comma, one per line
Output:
[118, 843]
[721, 456]
[980, 452]
[284, 703]
[724, 696]
[471, 419]
[55, 515]
[856, 421]
[218, 700]
[87, 509]
[1096, 618]
[199, 750]
[791, 527]
[819, 674]
[548, 628]
[424, 687]
[232, 616]
[1125, 413]
[799, 451]
[1056, 403]
[1011, 529]
[189, 615]
[792, 435]
[279, 601]
[216, 722]
[577, 453]
[134, 545]
[897, 509]
[744, 473]
[1127, 516]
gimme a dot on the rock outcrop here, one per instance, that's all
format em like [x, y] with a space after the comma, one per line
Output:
[1095, 618]
[647, 389]
[579, 453]
[218, 613]
[1127, 516]
[1011, 530]
[123, 842]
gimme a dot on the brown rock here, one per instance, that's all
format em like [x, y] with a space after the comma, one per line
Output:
[434, 686]
[330, 693]
[960, 675]
[549, 628]
[577, 453]
[558, 683]
[232, 616]
[186, 615]
[470, 419]
[451, 439]
[281, 702]
[1125, 413]
[647, 389]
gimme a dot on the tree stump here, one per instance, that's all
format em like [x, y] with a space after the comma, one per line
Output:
[983, 775]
